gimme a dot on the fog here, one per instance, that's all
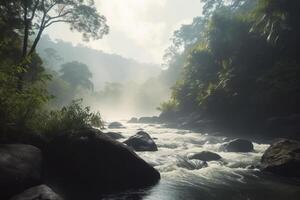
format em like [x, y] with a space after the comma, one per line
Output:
[126, 66]
[121, 87]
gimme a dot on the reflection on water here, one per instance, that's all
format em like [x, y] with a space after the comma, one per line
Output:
[232, 178]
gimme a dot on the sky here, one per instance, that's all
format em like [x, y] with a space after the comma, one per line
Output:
[139, 29]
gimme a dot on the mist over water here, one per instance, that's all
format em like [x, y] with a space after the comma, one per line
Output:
[128, 104]
[234, 177]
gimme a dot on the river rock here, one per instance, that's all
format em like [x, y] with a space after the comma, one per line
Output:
[133, 120]
[149, 120]
[20, 168]
[206, 156]
[282, 158]
[238, 145]
[191, 164]
[115, 125]
[41, 192]
[141, 142]
[114, 135]
[86, 163]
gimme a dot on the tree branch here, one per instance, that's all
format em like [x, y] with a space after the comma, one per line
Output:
[41, 29]
[58, 16]
[34, 10]
[51, 6]
[56, 21]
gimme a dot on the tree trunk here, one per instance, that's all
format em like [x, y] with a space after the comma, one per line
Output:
[26, 33]
[38, 37]
[25, 44]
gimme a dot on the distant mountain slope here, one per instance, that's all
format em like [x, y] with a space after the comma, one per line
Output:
[105, 67]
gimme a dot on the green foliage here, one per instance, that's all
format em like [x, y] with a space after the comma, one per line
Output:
[62, 91]
[168, 106]
[77, 74]
[71, 117]
[26, 110]
[34, 16]
[275, 19]
[243, 65]
[17, 107]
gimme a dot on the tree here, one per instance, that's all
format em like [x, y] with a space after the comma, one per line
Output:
[31, 17]
[77, 74]
[81, 15]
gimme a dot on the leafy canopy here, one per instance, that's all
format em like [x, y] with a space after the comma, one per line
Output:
[77, 74]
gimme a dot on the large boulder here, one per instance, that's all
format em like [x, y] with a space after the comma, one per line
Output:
[85, 163]
[115, 125]
[206, 156]
[141, 142]
[238, 145]
[20, 168]
[282, 158]
[41, 192]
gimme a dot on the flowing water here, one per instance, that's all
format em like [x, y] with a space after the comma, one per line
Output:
[232, 178]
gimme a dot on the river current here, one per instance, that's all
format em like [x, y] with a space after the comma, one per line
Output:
[233, 178]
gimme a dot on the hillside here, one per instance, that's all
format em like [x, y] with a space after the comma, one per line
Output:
[105, 67]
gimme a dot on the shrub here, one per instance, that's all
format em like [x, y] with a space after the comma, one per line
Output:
[68, 118]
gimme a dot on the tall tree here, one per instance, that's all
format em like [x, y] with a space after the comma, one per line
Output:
[77, 74]
[30, 18]
[81, 15]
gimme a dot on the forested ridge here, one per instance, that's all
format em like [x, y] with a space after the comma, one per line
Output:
[234, 78]
[240, 63]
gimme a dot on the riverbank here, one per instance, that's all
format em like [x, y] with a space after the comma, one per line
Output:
[265, 131]
[77, 164]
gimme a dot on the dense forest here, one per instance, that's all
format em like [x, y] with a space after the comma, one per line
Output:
[228, 87]
[239, 63]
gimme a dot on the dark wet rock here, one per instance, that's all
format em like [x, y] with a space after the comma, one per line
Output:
[238, 145]
[149, 120]
[115, 125]
[191, 164]
[85, 163]
[141, 142]
[41, 192]
[20, 168]
[282, 158]
[114, 135]
[206, 156]
[133, 120]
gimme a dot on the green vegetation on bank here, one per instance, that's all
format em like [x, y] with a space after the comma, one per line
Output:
[241, 65]
[25, 85]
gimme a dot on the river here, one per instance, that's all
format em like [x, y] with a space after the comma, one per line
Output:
[233, 178]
